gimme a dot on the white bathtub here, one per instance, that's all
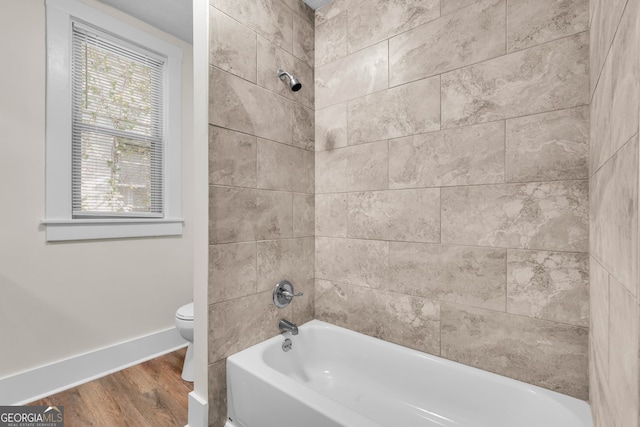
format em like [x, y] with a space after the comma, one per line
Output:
[336, 377]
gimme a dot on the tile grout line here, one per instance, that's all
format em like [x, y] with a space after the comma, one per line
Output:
[505, 176]
[441, 215]
[388, 164]
[614, 154]
[446, 302]
[506, 281]
[575, 107]
[491, 58]
[256, 266]
[506, 27]
[446, 244]
[445, 187]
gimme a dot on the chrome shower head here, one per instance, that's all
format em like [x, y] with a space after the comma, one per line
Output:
[293, 82]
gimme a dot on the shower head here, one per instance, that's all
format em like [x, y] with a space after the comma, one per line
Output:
[293, 82]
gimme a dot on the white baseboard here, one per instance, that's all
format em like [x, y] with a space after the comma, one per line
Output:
[198, 411]
[44, 381]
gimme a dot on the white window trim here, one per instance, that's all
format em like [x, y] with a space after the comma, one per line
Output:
[59, 221]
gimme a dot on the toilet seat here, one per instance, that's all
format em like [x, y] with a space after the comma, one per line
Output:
[185, 312]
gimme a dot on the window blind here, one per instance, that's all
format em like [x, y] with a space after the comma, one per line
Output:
[117, 127]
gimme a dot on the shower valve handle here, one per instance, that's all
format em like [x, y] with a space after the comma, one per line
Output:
[290, 295]
[283, 294]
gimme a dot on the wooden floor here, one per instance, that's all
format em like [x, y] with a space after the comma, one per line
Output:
[150, 394]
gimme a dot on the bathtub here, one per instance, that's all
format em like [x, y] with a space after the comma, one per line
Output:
[336, 377]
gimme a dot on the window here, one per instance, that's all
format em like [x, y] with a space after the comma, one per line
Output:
[117, 130]
[113, 128]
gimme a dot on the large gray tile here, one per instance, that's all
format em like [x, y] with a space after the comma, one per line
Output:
[304, 128]
[548, 77]
[604, 23]
[460, 274]
[592, 7]
[357, 262]
[331, 40]
[551, 215]
[406, 215]
[243, 214]
[600, 116]
[410, 321]
[237, 104]
[303, 215]
[269, 18]
[459, 156]
[626, 77]
[232, 46]
[535, 22]
[217, 388]
[406, 110]
[272, 58]
[354, 76]
[284, 259]
[242, 322]
[331, 215]
[598, 394]
[614, 215]
[468, 36]
[304, 40]
[358, 168]
[548, 146]
[281, 167]
[232, 158]
[376, 20]
[331, 127]
[623, 355]
[598, 318]
[547, 354]
[232, 271]
[549, 285]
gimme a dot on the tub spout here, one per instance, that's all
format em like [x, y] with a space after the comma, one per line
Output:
[286, 326]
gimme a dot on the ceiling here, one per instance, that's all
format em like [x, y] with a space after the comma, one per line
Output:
[172, 16]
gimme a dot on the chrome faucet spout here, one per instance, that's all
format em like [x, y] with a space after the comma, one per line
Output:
[286, 326]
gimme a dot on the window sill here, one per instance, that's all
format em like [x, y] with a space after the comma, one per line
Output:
[89, 229]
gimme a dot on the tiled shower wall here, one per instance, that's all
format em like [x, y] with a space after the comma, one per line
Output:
[613, 367]
[452, 180]
[261, 142]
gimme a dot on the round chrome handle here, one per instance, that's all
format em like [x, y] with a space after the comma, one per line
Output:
[283, 294]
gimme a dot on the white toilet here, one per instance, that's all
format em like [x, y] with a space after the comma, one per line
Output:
[184, 324]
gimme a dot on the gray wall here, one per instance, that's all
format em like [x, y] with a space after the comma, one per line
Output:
[613, 210]
[452, 180]
[261, 176]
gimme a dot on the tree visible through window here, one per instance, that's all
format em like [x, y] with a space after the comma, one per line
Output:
[117, 128]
